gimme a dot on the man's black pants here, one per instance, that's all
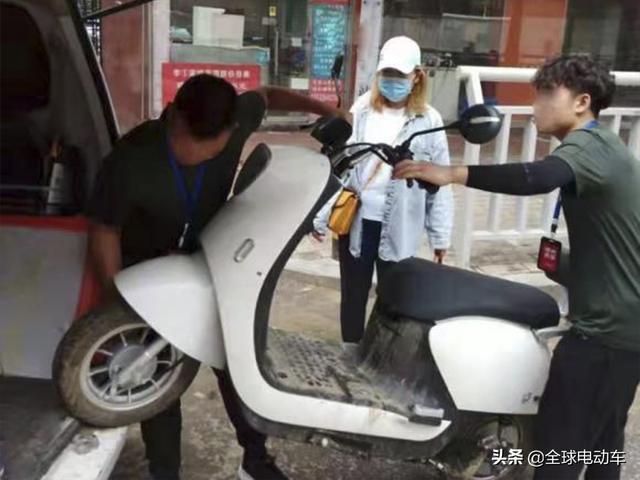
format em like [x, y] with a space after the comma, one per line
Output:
[584, 406]
[161, 434]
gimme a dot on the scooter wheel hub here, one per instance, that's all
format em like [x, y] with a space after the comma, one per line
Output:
[124, 357]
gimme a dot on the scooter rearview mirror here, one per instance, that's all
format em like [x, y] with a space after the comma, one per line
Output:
[479, 123]
[332, 132]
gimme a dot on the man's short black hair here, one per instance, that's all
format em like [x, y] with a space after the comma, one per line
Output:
[207, 104]
[580, 74]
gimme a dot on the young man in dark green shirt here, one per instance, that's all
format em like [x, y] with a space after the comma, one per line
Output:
[596, 367]
[158, 188]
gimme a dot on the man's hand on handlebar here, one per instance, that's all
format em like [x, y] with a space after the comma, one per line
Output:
[430, 173]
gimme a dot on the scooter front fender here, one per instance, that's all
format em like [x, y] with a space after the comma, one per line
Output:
[491, 365]
[175, 296]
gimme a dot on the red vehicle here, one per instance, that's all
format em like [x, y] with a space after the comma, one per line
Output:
[56, 125]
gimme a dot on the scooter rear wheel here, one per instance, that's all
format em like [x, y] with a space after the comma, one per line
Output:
[470, 454]
[96, 349]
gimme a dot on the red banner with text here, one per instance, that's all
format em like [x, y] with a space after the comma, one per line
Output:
[242, 77]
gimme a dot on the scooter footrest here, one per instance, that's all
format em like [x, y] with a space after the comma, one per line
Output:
[426, 415]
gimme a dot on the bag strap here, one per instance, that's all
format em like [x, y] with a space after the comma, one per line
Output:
[375, 172]
[380, 162]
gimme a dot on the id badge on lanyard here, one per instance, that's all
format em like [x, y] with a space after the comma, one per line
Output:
[183, 236]
[190, 198]
[550, 248]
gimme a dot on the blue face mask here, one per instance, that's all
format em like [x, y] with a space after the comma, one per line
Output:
[395, 89]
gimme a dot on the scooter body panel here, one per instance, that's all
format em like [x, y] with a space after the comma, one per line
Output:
[246, 246]
[491, 365]
[175, 296]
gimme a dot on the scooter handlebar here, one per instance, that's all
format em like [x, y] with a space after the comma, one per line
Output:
[402, 152]
[390, 155]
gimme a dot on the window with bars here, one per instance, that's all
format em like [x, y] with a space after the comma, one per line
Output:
[92, 26]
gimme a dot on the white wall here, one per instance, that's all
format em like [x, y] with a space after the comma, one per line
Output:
[161, 45]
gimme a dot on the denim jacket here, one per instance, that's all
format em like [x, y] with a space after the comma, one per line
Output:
[407, 210]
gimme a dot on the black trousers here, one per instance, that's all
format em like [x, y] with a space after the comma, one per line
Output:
[356, 276]
[585, 403]
[161, 434]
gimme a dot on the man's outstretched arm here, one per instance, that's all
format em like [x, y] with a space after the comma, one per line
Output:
[533, 178]
[284, 99]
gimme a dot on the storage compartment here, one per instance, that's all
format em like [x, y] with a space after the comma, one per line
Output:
[56, 126]
[53, 138]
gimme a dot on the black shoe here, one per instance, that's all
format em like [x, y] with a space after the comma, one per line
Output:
[160, 474]
[260, 468]
[165, 477]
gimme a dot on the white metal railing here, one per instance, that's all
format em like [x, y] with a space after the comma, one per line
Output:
[466, 233]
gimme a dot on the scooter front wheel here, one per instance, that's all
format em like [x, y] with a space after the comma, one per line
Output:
[90, 369]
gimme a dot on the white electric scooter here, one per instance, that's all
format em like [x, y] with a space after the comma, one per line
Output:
[452, 365]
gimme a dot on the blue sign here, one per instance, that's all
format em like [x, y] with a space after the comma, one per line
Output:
[329, 36]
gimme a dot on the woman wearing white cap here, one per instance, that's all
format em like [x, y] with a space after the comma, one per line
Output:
[389, 222]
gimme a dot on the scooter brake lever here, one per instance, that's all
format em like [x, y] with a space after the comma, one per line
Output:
[429, 187]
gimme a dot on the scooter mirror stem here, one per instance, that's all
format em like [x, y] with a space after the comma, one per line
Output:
[452, 126]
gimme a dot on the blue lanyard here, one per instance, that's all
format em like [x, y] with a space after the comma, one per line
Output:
[558, 210]
[190, 198]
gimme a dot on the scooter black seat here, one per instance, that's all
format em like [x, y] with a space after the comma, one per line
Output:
[425, 291]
